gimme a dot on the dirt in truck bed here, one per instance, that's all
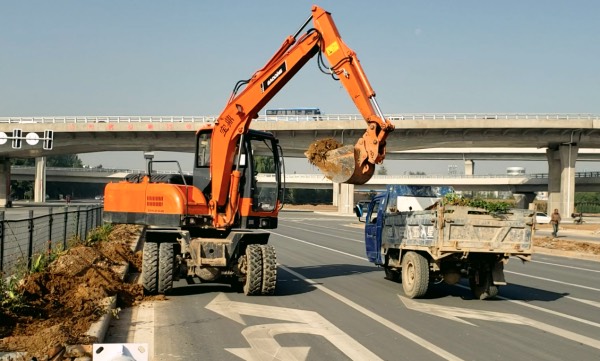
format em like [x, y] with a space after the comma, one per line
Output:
[61, 303]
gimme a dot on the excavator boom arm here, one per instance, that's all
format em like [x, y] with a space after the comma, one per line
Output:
[293, 54]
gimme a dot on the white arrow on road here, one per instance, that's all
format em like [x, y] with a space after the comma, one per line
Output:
[458, 314]
[261, 338]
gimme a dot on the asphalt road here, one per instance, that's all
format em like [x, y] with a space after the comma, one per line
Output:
[331, 303]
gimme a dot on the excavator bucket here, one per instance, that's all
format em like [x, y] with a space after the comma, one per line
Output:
[340, 163]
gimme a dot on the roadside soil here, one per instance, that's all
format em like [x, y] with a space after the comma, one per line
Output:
[60, 304]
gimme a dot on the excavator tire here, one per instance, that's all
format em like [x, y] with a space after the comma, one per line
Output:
[166, 267]
[269, 277]
[415, 275]
[150, 268]
[254, 273]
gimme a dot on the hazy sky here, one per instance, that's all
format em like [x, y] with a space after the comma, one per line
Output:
[184, 57]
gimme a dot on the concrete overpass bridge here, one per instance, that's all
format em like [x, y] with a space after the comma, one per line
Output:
[525, 185]
[561, 139]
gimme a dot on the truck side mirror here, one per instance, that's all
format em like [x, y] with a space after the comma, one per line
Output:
[358, 211]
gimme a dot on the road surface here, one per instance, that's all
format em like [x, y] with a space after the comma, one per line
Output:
[331, 303]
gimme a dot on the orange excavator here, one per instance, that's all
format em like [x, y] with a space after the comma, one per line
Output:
[211, 225]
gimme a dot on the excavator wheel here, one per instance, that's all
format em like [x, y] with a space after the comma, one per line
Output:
[150, 268]
[269, 277]
[254, 272]
[166, 267]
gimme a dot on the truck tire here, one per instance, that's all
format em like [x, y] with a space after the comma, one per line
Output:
[269, 277]
[485, 289]
[166, 267]
[415, 275]
[150, 268]
[254, 270]
[391, 274]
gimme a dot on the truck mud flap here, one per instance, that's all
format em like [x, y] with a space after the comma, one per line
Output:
[498, 274]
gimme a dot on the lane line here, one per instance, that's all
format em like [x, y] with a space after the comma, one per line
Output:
[392, 326]
[554, 281]
[565, 266]
[517, 302]
[324, 234]
[541, 309]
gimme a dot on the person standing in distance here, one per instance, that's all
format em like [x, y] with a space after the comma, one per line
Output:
[555, 221]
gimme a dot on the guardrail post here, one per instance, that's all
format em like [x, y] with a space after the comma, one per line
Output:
[50, 219]
[66, 212]
[30, 246]
[77, 217]
[86, 223]
[1, 242]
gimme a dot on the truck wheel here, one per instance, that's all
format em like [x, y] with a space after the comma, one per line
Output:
[166, 263]
[254, 271]
[391, 274]
[150, 268]
[415, 275]
[485, 289]
[269, 278]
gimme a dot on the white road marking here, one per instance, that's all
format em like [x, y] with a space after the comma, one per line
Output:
[325, 234]
[319, 246]
[385, 322]
[517, 302]
[541, 309]
[566, 266]
[457, 314]
[554, 281]
[587, 302]
[261, 338]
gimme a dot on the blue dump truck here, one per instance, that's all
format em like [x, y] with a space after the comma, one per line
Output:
[418, 240]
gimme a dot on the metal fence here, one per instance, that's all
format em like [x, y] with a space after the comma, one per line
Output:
[23, 239]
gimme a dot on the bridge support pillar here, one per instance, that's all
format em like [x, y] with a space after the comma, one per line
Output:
[469, 167]
[561, 178]
[336, 193]
[5, 200]
[345, 198]
[39, 191]
[523, 200]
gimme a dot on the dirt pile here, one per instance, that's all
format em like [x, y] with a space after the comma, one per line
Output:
[317, 151]
[58, 306]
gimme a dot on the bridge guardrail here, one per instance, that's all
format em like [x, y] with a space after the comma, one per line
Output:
[22, 239]
[293, 118]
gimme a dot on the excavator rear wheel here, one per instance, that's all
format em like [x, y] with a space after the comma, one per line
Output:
[269, 276]
[166, 270]
[150, 268]
[254, 270]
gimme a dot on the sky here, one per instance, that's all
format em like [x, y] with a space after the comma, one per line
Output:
[184, 57]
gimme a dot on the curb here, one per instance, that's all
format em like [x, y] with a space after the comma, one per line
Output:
[99, 328]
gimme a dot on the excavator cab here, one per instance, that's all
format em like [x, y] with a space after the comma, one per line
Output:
[258, 158]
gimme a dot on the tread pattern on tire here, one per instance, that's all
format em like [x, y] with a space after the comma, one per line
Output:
[254, 275]
[416, 286]
[269, 277]
[166, 267]
[150, 268]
